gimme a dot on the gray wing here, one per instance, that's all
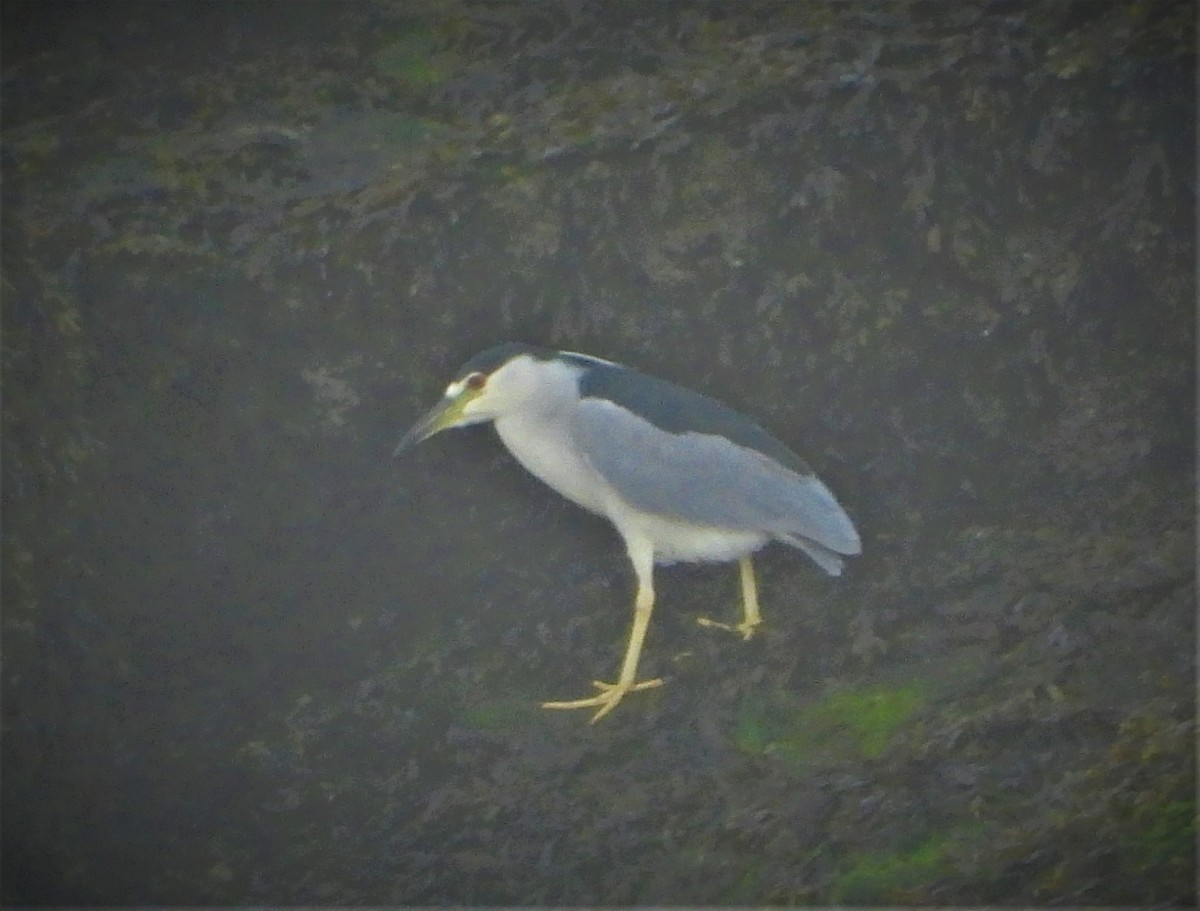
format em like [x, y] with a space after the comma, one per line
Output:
[709, 480]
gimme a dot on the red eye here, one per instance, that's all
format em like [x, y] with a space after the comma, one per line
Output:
[475, 381]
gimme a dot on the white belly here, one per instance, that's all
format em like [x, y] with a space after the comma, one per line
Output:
[676, 541]
[545, 451]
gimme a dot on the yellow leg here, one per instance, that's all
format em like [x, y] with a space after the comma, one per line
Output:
[751, 618]
[612, 693]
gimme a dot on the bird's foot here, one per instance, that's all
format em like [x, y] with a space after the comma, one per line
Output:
[745, 629]
[608, 697]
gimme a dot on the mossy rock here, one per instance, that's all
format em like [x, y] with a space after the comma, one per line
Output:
[845, 724]
[893, 876]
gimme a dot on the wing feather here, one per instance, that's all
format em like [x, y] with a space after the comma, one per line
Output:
[708, 480]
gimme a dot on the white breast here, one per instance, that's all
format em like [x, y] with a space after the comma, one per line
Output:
[542, 445]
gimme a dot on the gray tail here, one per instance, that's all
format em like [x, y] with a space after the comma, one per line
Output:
[827, 559]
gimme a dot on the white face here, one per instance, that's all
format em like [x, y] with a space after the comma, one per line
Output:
[522, 385]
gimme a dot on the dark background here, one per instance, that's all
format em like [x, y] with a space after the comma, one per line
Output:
[945, 251]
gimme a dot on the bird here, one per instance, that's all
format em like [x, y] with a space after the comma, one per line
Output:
[681, 477]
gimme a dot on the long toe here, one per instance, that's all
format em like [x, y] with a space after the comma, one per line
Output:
[746, 629]
[606, 700]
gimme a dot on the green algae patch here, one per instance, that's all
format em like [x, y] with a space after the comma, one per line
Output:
[411, 58]
[872, 715]
[844, 724]
[1162, 840]
[892, 876]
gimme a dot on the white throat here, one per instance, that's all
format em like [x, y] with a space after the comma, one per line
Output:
[538, 431]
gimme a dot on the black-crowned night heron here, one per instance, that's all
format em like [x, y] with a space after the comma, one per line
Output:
[682, 477]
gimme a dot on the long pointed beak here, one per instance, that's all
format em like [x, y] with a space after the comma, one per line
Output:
[442, 415]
